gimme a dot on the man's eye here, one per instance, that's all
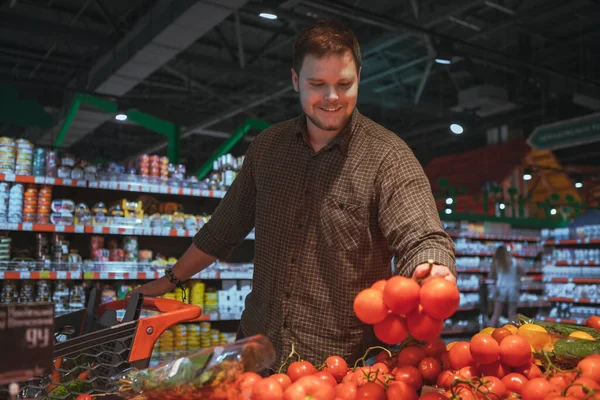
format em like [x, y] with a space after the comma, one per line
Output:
[345, 84]
[316, 84]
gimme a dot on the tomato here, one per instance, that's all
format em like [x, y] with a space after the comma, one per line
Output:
[469, 372]
[430, 368]
[434, 347]
[497, 369]
[446, 378]
[299, 369]
[283, 380]
[561, 380]
[370, 391]
[267, 389]
[84, 396]
[346, 391]
[379, 285]
[369, 306]
[484, 349]
[326, 377]
[309, 388]
[445, 360]
[462, 393]
[460, 355]
[578, 390]
[493, 387]
[590, 368]
[529, 371]
[500, 333]
[422, 326]
[409, 375]
[401, 391]
[439, 298]
[401, 295]
[336, 366]
[593, 322]
[246, 382]
[538, 389]
[392, 330]
[381, 368]
[515, 351]
[411, 355]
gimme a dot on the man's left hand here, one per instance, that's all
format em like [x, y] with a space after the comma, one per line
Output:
[437, 271]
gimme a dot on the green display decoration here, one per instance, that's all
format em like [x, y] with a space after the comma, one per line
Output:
[238, 134]
[20, 112]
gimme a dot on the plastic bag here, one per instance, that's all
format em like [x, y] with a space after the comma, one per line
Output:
[208, 374]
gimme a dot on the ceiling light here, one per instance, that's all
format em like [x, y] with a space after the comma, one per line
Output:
[121, 117]
[578, 185]
[456, 129]
[526, 177]
[449, 200]
[443, 61]
[448, 211]
[553, 211]
[502, 206]
[268, 15]
[443, 52]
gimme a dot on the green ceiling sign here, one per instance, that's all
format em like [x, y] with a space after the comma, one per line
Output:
[569, 133]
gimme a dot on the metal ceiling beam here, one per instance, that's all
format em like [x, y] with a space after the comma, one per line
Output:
[164, 31]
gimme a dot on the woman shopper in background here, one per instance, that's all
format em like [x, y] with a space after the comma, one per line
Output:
[506, 272]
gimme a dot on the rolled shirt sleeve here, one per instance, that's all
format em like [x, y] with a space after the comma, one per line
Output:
[408, 216]
[233, 219]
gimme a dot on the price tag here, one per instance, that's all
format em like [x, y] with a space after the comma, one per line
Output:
[187, 191]
[25, 275]
[164, 190]
[61, 275]
[27, 226]
[9, 177]
[114, 185]
[39, 180]
[135, 188]
[80, 183]
[79, 228]
[147, 232]
[13, 227]
[113, 230]
[68, 182]
[181, 233]
[104, 185]
[27, 339]
[97, 229]
[196, 192]
[59, 228]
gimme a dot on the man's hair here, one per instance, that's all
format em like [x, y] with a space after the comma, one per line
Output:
[324, 38]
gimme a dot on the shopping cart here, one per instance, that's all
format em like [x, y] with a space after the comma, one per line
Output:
[93, 348]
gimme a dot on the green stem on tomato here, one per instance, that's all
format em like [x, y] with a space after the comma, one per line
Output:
[292, 353]
[590, 392]
[364, 357]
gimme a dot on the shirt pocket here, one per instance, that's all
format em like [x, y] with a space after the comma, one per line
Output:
[342, 223]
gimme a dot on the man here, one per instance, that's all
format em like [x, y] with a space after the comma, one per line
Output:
[333, 196]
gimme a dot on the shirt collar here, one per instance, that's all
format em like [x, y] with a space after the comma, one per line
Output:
[342, 140]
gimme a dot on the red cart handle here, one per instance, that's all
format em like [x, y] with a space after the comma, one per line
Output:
[150, 328]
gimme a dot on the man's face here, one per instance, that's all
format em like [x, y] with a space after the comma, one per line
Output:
[328, 89]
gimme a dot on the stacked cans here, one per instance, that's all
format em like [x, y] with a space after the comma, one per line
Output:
[43, 293]
[61, 297]
[51, 163]
[30, 204]
[15, 204]
[5, 249]
[193, 336]
[23, 165]
[144, 165]
[44, 204]
[211, 302]
[26, 295]
[39, 162]
[163, 167]
[4, 200]
[165, 341]
[7, 155]
[197, 294]
[9, 293]
[179, 339]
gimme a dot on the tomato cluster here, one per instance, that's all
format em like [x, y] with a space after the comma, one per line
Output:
[400, 306]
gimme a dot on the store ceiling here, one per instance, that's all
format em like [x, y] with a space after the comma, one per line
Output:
[209, 65]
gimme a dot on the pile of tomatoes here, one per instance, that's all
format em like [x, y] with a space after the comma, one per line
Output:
[489, 367]
[400, 306]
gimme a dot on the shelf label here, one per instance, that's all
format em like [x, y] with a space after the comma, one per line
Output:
[79, 228]
[9, 177]
[181, 233]
[196, 192]
[187, 191]
[61, 274]
[27, 337]
[68, 182]
[25, 275]
[39, 180]
[59, 228]
[163, 190]
[27, 226]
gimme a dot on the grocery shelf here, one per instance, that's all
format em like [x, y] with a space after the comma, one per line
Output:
[572, 280]
[491, 254]
[561, 242]
[487, 236]
[107, 230]
[573, 300]
[49, 275]
[579, 263]
[120, 185]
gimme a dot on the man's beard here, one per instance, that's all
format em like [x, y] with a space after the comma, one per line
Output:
[321, 125]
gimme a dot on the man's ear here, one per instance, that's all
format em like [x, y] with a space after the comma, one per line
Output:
[295, 79]
[359, 70]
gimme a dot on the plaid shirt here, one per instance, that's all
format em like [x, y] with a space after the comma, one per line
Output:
[327, 225]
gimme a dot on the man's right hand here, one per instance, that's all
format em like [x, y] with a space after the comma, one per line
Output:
[156, 288]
